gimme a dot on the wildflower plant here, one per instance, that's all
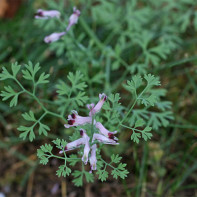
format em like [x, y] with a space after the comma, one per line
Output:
[98, 125]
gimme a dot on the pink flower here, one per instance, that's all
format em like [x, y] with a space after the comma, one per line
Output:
[105, 132]
[86, 151]
[77, 143]
[46, 14]
[54, 37]
[94, 109]
[73, 18]
[93, 159]
[75, 120]
[103, 139]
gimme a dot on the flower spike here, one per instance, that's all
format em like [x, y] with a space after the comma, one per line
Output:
[46, 14]
[86, 151]
[103, 139]
[93, 159]
[75, 120]
[95, 109]
[73, 18]
[105, 132]
[54, 37]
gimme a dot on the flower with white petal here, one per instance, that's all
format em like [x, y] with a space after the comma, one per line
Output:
[73, 18]
[54, 37]
[73, 145]
[75, 120]
[105, 132]
[86, 151]
[95, 109]
[103, 139]
[77, 143]
[93, 159]
[46, 14]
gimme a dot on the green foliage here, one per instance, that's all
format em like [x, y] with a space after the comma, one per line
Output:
[145, 133]
[112, 109]
[71, 96]
[117, 171]
[78, 177]
[63, 171]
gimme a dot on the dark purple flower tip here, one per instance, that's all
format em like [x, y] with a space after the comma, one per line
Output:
[105, 98]
[81, 132]
[39, 13]
[111, 136]
[73, 115]
[71, 122]
[65, 148]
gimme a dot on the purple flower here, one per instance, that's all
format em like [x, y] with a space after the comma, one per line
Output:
[46, 14]
[54, 37]
[86, 151]
[93, 159]
[105, 132]
[73, 18]
[77, 143]
[75, 120]
[95, 109]
[103, 139]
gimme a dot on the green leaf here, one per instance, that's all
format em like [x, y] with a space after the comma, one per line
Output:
[146, 133]
[120, 171]
[135, 137]
[89, 177]
[15, 68]
[27, 130]
[43, 129]
[63, 171]
[43, 79]
[74, 161]
[29, 116]
[46, 148]
[10, 93]
[115, 158]
[60, 143]
[139, 123]
[74, 79]
[103, 175]
[134, 83]
[5, 74]
[62, 88]
[30, 71]
[152, 80]
[78, 175]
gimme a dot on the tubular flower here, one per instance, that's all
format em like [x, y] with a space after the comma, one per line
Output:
[46, 14]
[73, 18]
[75, 120]
[103, 139]
[86, 151]
[75, 144]
[105, 132]
[54, 37]
[93, 159]
[95, 109]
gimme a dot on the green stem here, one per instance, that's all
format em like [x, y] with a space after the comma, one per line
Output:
[133, 106]
[39, 102]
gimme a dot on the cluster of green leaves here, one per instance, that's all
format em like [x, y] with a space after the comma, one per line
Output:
[145, 133]
[118, 168]
[72, 95]
[113, 110]
[156, 112]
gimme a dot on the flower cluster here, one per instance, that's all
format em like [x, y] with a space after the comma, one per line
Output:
[46, 14]
[103, 136]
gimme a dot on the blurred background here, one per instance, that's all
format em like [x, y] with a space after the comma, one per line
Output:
[164, 166]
